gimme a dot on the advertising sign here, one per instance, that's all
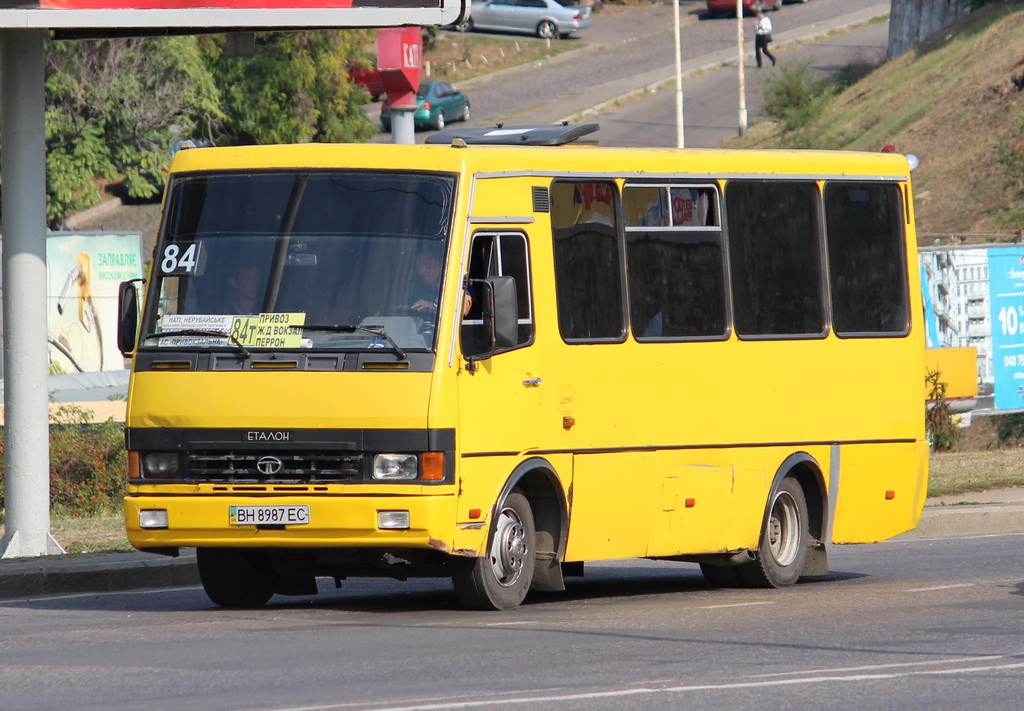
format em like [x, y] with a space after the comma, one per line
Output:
[248, 14]
[1006, 301]
[83, 274]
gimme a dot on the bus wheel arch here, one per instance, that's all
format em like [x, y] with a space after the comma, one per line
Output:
[791, 544]
[501, 578]
[530, 511]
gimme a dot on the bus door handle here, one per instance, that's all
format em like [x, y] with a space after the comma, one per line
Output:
[531, 382]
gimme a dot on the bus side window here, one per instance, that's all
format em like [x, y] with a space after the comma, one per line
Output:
[497, 255]
[864, 228]
[676, 261]
[776, 259]
[588, 262]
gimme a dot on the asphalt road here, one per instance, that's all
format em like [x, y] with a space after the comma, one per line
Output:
[628, 48]
[907, 624]
[711, 100]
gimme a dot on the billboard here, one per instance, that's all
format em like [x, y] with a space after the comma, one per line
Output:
[83, 272]
[227, 14]
[1006, 303]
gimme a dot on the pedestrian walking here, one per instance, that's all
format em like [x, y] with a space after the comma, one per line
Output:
[762, 36]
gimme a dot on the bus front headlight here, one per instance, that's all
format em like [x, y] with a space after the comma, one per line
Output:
[395, 466]
[160, 465]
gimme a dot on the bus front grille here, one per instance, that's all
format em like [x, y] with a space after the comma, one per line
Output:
[248, 466]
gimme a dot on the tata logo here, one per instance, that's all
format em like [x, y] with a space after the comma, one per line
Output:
[267, 436]
[269, 466]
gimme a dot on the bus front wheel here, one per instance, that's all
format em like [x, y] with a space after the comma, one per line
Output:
[501, 579]
[782, 553]
[235, 577]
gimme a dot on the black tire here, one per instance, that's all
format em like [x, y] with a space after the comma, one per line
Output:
[235, 577]
[785, 540]
[547, 30]
[439, 121]
[501, 579]
[721, 576]
[464, 116]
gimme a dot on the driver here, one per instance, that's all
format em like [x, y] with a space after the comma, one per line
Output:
[427, 289]
[428, 283]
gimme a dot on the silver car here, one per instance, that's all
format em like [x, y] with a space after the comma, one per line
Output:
[545, 18]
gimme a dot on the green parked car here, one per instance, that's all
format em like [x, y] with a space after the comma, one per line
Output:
[438, 102]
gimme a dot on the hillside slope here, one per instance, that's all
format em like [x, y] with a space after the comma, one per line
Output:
[950, 101]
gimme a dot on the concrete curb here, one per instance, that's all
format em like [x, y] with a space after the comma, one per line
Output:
[95, 574]
[976, 520]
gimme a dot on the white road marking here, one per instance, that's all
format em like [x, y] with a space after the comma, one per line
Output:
[736, 604]
[940, 587]
[829, 676]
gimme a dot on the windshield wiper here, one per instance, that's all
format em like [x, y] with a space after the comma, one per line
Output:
[353, 329]
[202, 332]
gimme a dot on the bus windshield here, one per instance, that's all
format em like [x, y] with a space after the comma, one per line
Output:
[322, 260]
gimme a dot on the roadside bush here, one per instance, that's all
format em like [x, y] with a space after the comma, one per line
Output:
[88, 464]
[795, 97]
[942, 432]
[1009, 428]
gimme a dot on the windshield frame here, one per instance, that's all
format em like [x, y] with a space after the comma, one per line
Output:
[350, 231]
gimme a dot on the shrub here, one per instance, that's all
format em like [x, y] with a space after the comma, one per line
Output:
[1009, 428]
[88, 463]
[941, 430]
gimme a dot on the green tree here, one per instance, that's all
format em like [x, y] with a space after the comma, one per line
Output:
[109, 108]
[295, 89]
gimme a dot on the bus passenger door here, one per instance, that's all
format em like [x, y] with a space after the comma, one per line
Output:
[499, 393]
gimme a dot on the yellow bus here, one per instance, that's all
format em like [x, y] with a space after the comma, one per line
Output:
[504, 354]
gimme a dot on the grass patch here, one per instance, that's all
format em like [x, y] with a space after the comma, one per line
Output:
[92, 534]
[457, 56]
[967, 472]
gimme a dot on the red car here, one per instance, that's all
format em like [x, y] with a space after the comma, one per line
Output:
[719, 8]
[368, 78]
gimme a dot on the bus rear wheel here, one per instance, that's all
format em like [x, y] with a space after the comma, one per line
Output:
[501, 579]
[235, 577]
[785, 539]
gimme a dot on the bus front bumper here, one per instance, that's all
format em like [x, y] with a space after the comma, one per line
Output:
[161, 522]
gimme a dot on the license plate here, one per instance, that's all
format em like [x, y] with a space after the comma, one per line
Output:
[268, 515]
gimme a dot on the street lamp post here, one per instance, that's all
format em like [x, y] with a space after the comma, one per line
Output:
[680, 141]
[739, 63]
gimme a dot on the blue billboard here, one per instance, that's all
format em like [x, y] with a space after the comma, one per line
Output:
[1006, 301]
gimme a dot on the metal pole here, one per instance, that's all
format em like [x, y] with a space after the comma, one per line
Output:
[680, 141]
[403, 127]
[742, 76]
[26, 407]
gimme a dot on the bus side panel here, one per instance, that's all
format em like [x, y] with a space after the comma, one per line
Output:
[866, 511]
[611, 505]
[693, 508]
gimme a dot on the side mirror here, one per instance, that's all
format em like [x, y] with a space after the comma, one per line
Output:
[127, 317]
[501, 311]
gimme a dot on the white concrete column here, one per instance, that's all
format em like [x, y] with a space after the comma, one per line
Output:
[26, 406]
[403, 126]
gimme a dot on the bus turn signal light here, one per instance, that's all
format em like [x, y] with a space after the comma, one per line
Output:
[432, 466]
[890, 495]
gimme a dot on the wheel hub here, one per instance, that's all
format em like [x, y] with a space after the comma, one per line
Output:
[509, 548]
